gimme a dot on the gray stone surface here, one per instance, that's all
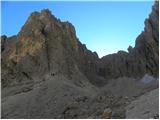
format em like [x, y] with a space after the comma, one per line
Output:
[144, 107]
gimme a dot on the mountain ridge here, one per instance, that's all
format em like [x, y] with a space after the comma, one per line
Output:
[47, 64]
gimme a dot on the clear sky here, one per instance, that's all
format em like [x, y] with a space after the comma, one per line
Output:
[105, 27]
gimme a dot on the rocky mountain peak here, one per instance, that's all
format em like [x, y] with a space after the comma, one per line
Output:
[46, 12]
[43, 37]
[40, 29]
[48, 73]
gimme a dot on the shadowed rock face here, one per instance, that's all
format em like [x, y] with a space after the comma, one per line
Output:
[47, 64]
[143, 58]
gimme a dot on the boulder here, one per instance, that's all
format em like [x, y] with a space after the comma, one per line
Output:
[107, 113]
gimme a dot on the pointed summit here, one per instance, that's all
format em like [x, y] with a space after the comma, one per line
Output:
[46, 12]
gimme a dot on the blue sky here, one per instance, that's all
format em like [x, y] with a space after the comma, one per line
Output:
[105, 27]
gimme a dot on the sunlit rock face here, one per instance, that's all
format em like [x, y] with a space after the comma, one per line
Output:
[143, 58]
[47, 45]
[45, 69]
[48, 73]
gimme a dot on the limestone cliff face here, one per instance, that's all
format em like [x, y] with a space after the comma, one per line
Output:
[47, 45]
[46, 71]
[142, 59]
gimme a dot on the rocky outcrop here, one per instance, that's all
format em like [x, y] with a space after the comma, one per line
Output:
[48, 73]
[46, 62]
[107, 113]
[47, 45]
[142, 59]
